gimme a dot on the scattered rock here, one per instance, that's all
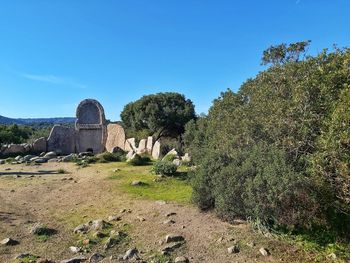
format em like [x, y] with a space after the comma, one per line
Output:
[114, 218]
[82, 154]
[50, 155]
[110, 243]
[169, 222]
[2, 161]
[131, 253]
[160, 202]
[69, 158]
[99, 224]
[83, 228]
[170, 214]
[170, 247]
[233, 250]
[39, 160]
[28, 157]
[251, 244]
[181, 260]
[8, 242]
[75, 249]
[96, 257]
[177, 162]
[141, 219]
[263, 251]
[137, 183]
[186, 158]
[173, 238]
[116, 170]
[54, 160]
[74, 260]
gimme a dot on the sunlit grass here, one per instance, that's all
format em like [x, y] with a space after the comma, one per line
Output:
[175, 188]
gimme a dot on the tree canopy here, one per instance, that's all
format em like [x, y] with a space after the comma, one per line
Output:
[161, 114]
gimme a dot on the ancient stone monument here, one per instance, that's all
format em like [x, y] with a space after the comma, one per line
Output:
[156, 150]
[61, 140]
[90, 134]
[90, 126]
[115, 137]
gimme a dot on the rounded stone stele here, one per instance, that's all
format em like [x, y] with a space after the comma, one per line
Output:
[90, 126]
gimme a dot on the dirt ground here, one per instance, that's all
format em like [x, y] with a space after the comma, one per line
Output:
[63, 201]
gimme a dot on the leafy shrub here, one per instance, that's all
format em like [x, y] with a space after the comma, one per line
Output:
[164, 168]
[111, 157]
[278, 149]
[139, 160]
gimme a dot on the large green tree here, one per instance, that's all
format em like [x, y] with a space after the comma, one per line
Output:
[161, 114]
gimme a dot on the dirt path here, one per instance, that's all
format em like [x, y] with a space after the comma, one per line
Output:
[62, 201]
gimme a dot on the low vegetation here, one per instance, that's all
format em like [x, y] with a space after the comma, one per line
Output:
[139, 160]
[175, 188]
[164, 168]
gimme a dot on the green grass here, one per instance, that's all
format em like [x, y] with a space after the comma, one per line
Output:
[27, 259]
[42, 238]
[174, 188]
[320, 248]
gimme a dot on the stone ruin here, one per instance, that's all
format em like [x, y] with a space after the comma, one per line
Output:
[90, 127]
[90, 134]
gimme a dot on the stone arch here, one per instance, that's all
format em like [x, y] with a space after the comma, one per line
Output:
[90, 111]
[90, 126]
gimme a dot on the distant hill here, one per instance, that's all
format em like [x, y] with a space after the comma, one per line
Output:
[31, 121]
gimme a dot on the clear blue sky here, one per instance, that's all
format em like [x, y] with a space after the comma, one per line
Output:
[54, 53]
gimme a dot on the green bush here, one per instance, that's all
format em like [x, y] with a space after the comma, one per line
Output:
[164, 168]
[107, 157]
[277, 150]
[139, 160]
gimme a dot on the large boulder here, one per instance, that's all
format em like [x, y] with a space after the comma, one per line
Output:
[142, 147]
[39, 145]
[115, 137]
[149, 144]
[130, 145]
[61, 139]
[156, 150]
